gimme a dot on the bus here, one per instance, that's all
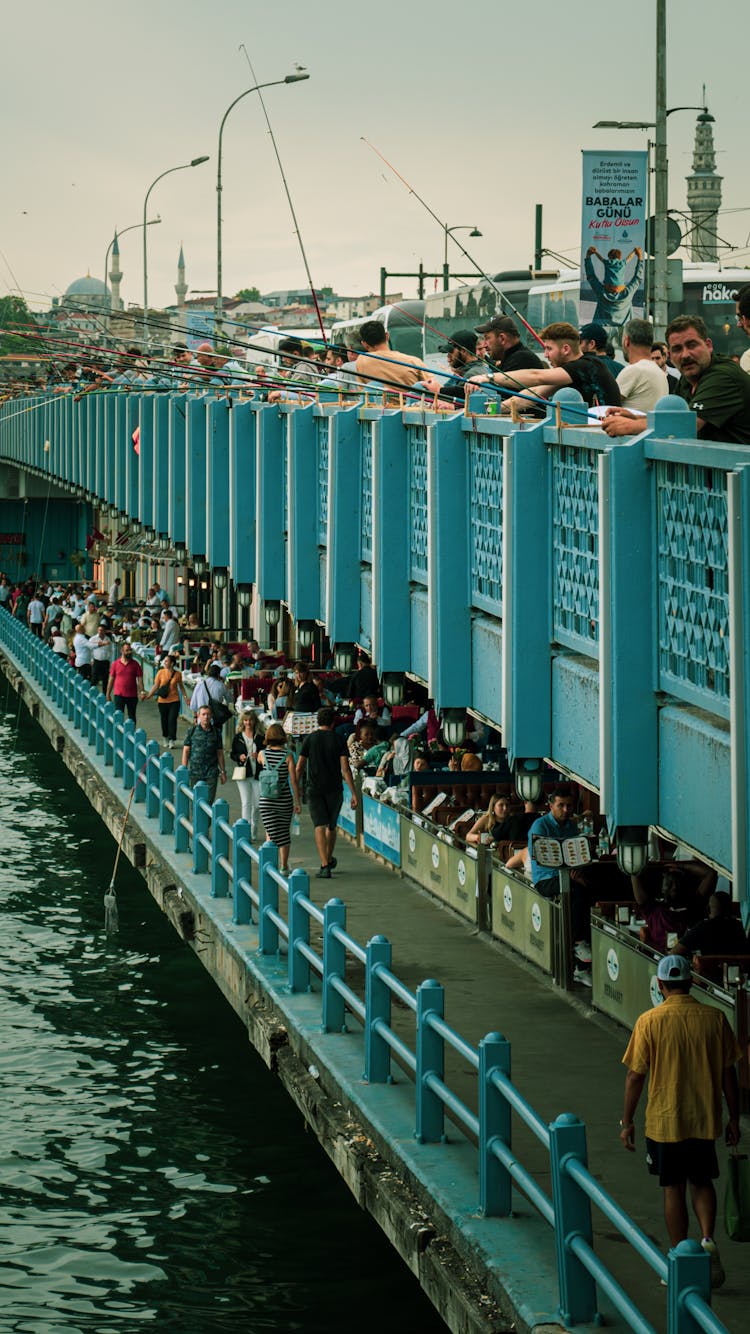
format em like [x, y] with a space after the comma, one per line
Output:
[708, 290]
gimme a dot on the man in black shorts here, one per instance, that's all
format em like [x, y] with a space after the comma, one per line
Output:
[688, 1051]
[324, 756]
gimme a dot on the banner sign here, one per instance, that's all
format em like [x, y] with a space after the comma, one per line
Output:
[382, 829]
[613, 238]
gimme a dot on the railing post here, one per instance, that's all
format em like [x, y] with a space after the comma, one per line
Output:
[572, 1219]
[201, 823]
[128, 754]
[153, 793]
[495, 1185]
[377, 1012]
[181, 808]
[92, 699]
[241, 871]
[688, 1270]
[166, 786]
[299, 931]
[109, 732]
[100, 723]
[219, 848]
[268, 897]
[430, 1061]
[334, 966]
[140, 762]
[77, 701]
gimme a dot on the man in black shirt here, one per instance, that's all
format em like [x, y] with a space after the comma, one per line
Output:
[504, 346]
[365, 680]
[567, 366]
[719, 933]
[461, 353]
[306, 697]
[324, 756]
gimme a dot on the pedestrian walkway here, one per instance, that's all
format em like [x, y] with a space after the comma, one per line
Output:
[565, 1056]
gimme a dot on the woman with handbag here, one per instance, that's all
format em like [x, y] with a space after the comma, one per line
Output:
[279, 791]
[168, 687]
[246, 747]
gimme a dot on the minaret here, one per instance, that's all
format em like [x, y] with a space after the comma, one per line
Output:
[180, 286]
[704, 193]
[115, 277]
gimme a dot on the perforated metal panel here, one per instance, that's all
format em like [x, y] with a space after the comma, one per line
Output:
[321, 432]
[575, 521]
[417, 437]
[486, 520]
[366, 511]
[693, 581]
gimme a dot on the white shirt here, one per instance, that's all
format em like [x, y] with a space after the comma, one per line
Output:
[641, 384]
[170, 634]
[35, 612]
[100, 652]
[82, 650]
[114, 594]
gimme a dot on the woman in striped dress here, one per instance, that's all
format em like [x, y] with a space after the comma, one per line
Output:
[276, 812]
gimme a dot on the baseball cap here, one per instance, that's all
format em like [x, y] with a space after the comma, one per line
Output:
[498, 324]
[674, 968]
[596, 333]
[461, 338]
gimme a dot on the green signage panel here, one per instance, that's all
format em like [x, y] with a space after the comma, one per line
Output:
[448, 872]
[522, 918]
[623, 978]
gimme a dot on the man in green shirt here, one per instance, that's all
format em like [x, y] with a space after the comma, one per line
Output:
[714, 386]
[203, 754]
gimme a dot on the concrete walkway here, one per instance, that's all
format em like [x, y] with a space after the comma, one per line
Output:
[566, 1057]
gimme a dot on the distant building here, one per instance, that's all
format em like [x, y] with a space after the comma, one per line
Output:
[704, 194]
[359, 307]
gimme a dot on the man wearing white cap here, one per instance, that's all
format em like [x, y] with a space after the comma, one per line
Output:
[688, 1051]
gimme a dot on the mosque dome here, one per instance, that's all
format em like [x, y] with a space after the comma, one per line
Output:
[87, 291]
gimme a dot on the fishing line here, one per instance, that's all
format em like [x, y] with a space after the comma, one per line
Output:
[456, 242]
[298, 233]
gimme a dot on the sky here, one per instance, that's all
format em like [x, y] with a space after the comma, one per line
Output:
[484, 109]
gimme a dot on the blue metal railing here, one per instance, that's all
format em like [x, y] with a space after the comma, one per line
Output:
[224, 852]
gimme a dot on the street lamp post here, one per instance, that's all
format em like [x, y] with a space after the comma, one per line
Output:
[133, 226]
[661, 168]
[289, 78]
[473, 231]
[196, 162]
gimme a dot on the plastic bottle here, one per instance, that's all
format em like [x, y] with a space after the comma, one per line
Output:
[602, 843]
[296, 826]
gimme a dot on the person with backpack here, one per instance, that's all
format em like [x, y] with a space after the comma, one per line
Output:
[279, 791]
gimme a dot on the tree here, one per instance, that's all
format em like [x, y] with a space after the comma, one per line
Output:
[15, 321]
[247, 294]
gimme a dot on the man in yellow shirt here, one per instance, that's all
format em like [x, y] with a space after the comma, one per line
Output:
[688, 1051]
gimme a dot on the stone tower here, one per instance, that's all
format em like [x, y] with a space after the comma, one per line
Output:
[180, 286]
[115, 277]
[704, 193]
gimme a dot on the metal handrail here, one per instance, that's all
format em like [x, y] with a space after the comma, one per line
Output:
[574, 1188]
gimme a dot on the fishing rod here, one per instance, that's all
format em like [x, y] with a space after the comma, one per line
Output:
[456, 242]
[302, 387]
[297, 231]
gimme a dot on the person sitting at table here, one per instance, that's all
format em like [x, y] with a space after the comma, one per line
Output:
[280, 697]
[679, 903]
[326, 696]
[719, 933]
[501, 824]
[372, 712]
[358, 744]
[421, 764]
[520, 862]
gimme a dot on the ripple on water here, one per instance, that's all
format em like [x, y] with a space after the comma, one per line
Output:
[154, 1174]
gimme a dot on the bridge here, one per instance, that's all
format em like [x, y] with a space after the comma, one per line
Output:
[585, 596]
